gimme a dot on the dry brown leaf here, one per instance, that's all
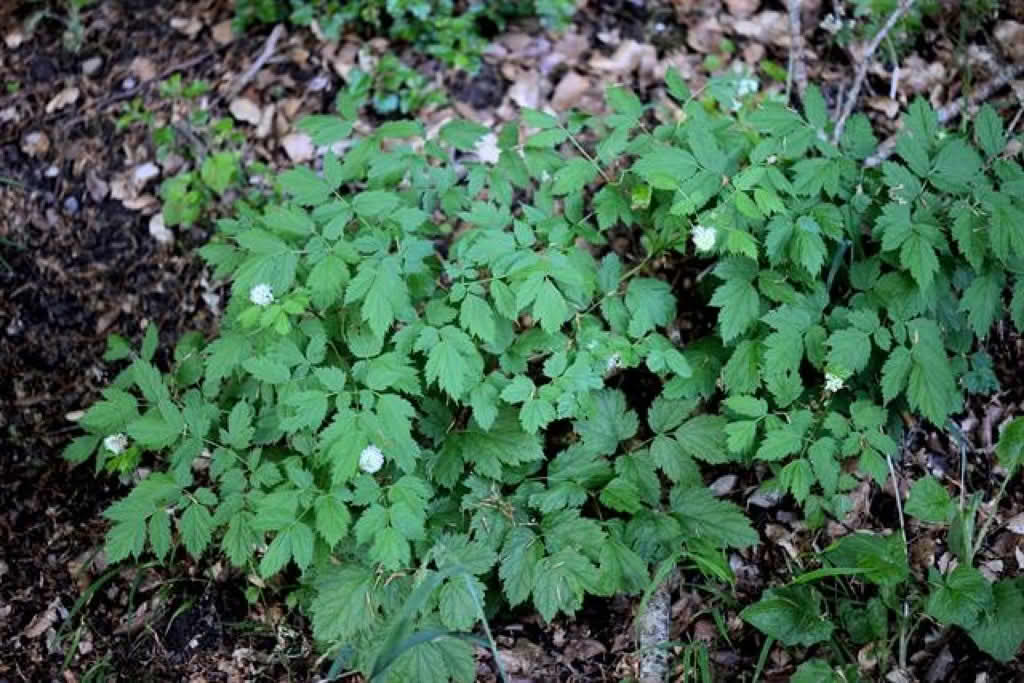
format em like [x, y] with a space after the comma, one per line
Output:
[569, 91]
[525, 91]
[705, 35]
[244, 109]
[35, 144]
[222, 32]
[886, 105]
[741, 9]
[143, 68]
[1016, 524]
[190, 27]
[298, 147]
[14, 39]
[158, 230]
[1010, 36]
[767, 27]
[62, 99]
[630, 56]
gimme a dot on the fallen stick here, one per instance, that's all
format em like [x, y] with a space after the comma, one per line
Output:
[952, 110]
[862, 68]
[265, 54]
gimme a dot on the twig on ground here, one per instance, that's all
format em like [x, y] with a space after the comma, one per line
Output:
[952, 110]
[653, 625]
[267, 53]
[865, 61]
[797, 71]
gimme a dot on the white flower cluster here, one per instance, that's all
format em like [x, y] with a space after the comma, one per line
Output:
[116, 443]
[371, 459]
[261, 295]
[614, 361]
[704, 238]
[833, 382]
[832, 24]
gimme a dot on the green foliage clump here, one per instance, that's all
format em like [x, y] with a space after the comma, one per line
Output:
[421, 371]
[437, 27]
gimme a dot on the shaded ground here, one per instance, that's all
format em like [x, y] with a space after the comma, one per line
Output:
[78, 264]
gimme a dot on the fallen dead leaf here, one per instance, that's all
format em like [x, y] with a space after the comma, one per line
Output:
[630, 56]
[158, 230]
[14, 39]
[705, 35]
[62, 99]
[767, 27]
[45, 619]
[143, 68]
[886, 105]
[143, 173]
[525, 91]
[190, 27]
[487, 149]
[97, 187]
[266, 121]
[569, 91]
[35, 144]
[298, 147]
[741, 9]
[1016, 524]
[244, 109]
[223, 33]
[1010, 36]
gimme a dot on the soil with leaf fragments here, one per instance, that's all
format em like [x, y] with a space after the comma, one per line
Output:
[83, 256]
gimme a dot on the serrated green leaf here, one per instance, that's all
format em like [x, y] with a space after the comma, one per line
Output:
[520, 557]
[961, 598]
[196, 528]
[792, 615]
[650, 303]
[463, 135]
[929, 501]
[608, 423]
[740, 307]
[849, 350]
[719, 522]
[1001, 630]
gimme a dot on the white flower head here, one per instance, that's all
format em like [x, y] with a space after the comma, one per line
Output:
[371, 459]
[704, 238]
[832, 24]
[833, 382]
[116, 443]
[614, 361]
[747, 86]
[261, 294]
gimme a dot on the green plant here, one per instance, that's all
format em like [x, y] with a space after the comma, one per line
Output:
[211, 145]
[989, 612]
[426, 357]
[438, 27]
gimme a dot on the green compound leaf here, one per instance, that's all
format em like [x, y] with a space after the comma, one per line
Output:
[792, 615]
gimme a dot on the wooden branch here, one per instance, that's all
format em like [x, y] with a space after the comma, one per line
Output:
[797, 71]
[952, 110]
[862, 68]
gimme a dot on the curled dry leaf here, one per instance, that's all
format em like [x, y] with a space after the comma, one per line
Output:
[1016, 524]
[918, 76]
[190, 26]
[222, 32]
[158, 229]
[705, 35]
[143, 68]
[741, 9]
[630, 56]
[245, 110]
[767, 27]
[62, 99]
[1010, 37]
[298, 147]
[35, 144]
[526, 90]
[569, 91]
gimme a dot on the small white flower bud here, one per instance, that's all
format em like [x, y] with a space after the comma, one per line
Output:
[116, 443]
[261, 295]
[371, 459]
[833, 383]
[704, 238]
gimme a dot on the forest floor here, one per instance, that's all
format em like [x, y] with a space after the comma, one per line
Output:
[82, 257]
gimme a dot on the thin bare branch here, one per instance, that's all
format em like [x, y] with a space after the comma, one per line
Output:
[953, 109]
[865, 62]
[797, 71]
[267, 53]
